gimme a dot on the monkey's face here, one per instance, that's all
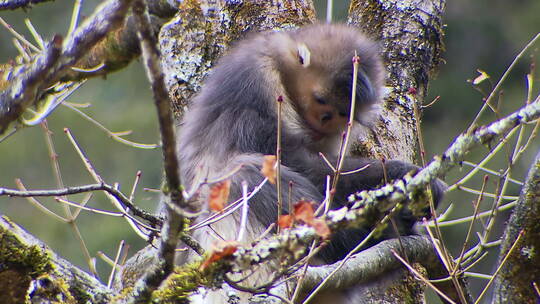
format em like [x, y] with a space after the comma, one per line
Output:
[324, 111]
[316, 70]
[323, 118]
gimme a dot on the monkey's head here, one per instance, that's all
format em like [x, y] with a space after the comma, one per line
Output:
[316, 68]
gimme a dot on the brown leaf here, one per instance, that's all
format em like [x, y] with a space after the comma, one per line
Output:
[219, 194]
[226, 249]
[269, 168]
[303, 211]
[285, 221]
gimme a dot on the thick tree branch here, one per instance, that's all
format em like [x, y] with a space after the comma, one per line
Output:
[32, 271]
[174, 224]
[24, 90]
[118, 49]
[522, 268]
[27, 87]
[371, 263]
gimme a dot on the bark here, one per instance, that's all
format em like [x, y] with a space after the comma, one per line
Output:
[31, 270]
[411, 34]
[514, 282]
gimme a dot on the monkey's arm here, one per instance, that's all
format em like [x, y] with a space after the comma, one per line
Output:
[373, 176]
[377, 174]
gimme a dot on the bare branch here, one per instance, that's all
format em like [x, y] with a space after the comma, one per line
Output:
[154, 221]
[173, 225]
[119, 48]
[26, 87]
[369, 264]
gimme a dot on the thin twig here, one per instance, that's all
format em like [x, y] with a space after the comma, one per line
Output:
[243, 218]
[501, 80]
[347, 135]
[499, 267]
[115, 263]
[154, 221]
[420, 277]
[278, 160]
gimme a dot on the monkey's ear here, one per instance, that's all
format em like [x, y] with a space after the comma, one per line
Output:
[304, 55]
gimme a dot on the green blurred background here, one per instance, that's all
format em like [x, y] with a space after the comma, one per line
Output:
[480, 34]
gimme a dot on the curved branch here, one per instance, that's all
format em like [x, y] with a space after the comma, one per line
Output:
[26, 87]
[153, 220]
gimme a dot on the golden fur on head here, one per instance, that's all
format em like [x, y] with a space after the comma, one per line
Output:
[315, 67]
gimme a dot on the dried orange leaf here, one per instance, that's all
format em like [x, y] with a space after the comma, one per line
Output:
[285, 221]
[219, 194]
[303, 211]
[226, 249]
[269, 168]
[483, 76]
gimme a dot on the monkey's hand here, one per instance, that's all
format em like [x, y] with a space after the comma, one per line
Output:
[373, 176]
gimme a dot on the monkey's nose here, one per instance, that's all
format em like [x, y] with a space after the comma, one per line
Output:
[326, 116]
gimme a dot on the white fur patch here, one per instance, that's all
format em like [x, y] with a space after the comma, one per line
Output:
[304, 54]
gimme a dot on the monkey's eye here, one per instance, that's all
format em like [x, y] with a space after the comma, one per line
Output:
[343, 114]
[320, 100]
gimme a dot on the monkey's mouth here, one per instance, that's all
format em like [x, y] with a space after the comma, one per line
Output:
[316, 135]
[315, 132]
